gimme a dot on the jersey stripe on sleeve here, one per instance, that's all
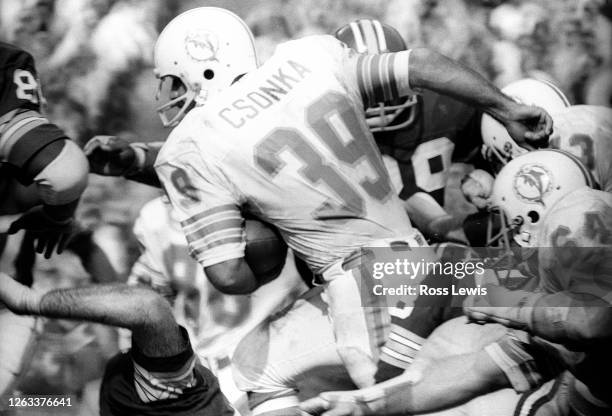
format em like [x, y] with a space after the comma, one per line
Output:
[384, 77]
[213, 228]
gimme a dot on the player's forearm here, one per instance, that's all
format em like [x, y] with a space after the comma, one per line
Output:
[118, 305]
[430, 70]
[572, 319]
[443, 384]
[143, 170]
[432, 386]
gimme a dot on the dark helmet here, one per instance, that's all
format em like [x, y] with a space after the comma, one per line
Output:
[370, 36]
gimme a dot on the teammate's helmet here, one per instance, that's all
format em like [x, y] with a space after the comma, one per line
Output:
[529, 185]
[527, 91]
[369, 36]
[198, 54]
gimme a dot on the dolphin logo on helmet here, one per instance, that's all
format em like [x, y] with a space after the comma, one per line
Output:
[202, 46]
[532, 183]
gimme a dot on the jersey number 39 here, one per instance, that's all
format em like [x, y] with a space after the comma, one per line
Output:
[338, 126]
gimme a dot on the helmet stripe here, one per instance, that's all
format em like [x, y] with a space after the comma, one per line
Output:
[360, 44]
[369, 35]
[380, 35]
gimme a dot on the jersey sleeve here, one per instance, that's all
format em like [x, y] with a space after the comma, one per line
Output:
[205, 205]
[375, 78]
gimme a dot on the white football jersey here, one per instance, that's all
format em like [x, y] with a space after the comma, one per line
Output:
[289, 143]
[576, 245]
[586, 131]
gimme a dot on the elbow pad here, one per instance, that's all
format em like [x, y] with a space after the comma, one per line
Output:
[64, 179]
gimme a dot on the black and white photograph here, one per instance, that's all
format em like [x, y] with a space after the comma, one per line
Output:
[305, 207]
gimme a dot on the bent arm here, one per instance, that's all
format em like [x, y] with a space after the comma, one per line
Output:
[154, 329]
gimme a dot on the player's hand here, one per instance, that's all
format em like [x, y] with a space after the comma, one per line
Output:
[528, 125]
[476, 187]
[511, 308]
[18, 298]
[109, 155]
[49, 233]
[335, 404]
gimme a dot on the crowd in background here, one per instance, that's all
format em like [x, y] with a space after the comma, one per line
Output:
[94, 59]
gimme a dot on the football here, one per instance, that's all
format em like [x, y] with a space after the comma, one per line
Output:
[266, 250]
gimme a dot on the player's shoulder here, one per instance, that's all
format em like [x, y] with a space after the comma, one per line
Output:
[12, 56]
[315, 43]
[185, 138]
[587, 117]
[584, 214]
[319, 48]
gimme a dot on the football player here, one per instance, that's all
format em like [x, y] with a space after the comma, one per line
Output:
[583, 130]
[216, 322]
[34, 156]
[159, 375]
[419, 135]
[288, 141]
[42, 176]
[563, 325]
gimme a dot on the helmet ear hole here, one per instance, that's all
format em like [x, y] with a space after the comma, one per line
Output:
[533, 216]
[209, 74]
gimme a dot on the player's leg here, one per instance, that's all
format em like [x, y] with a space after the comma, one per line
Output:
[284, 352]
[377, 335]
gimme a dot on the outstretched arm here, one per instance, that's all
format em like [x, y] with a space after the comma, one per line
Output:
[149, 316]
[115, 156]
[433, 71]
[389, 76]
[425, 387]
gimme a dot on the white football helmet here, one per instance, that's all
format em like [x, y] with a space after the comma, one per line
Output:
[528, 91]
[200, 53]
[528, 186]
[369, 36]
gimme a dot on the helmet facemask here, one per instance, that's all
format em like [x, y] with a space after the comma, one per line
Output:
[383, 117]
[511, 262]
[179, 99]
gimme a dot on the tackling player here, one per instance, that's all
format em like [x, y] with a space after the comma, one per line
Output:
[42, 176]
[419, 135]
[160, 375]
[289, 143]
[568, 319]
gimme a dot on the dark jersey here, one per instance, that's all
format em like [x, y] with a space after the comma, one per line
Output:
[23, 130]
[135, 384]
[444, 131]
